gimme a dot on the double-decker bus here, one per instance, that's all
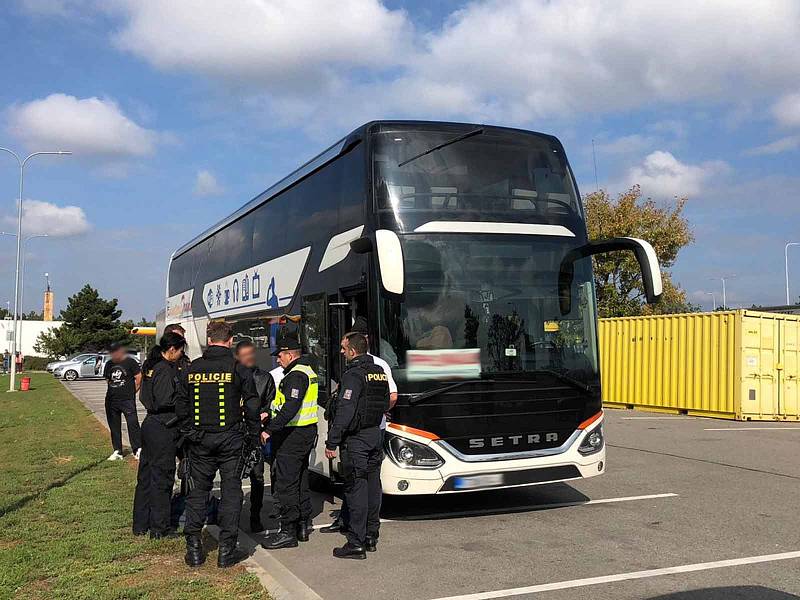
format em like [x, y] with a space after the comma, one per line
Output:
[465, 247]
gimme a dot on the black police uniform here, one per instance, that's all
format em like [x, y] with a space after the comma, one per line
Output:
[355, 430]
[265, 387]
[218, 410]
[151, 502]
[291, 448]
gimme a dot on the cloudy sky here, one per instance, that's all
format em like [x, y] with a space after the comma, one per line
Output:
[178, 112]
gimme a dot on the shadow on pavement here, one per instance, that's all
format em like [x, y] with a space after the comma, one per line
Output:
[736, 592]
[493, 502]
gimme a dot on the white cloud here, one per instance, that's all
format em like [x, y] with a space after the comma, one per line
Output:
[40, 217]
[628, 144]
[272, 44]
[207, 185]
[787, 110]
[784, 144]
[662, 175]
[86, 126]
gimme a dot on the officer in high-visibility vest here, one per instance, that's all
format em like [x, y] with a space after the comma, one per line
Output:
[292, 429]
[218, 413]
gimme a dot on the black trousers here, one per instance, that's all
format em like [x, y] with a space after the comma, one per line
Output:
[361, 455]
[216, 451]
[291, 448]
[156, 476]
[256, 490]
[114, 411]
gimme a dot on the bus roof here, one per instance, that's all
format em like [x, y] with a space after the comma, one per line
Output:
[319, 161]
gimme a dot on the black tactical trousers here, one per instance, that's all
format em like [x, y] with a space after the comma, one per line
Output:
[361, 455]
[114, 411]
[256, 490]
[156, 476]
[291, 448]
[216, 451]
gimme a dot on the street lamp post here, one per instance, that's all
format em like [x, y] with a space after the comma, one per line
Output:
[724, 292]
[21, 162]
[713, 299]
[786, 264]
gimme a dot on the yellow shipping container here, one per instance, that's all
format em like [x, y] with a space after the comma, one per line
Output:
[739, 364]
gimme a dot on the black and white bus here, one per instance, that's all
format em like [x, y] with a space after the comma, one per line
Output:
[465, 247]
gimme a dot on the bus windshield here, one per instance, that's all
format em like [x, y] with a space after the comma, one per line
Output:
[497, 294]
[481, 171]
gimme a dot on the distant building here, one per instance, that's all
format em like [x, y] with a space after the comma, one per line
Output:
[30, 332]
[791, 309]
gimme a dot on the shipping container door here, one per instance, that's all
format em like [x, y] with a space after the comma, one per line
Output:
[759, 360]
[789, 362]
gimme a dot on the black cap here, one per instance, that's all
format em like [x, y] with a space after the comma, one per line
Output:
[361, 326]
[114, 346]
[286, 342]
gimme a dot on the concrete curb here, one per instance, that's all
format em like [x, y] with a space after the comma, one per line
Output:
[279, 581]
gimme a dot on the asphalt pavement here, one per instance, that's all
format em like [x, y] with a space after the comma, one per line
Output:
[689, 509]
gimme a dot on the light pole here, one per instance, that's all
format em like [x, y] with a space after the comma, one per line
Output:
[786, 263]
[21, 162]
[713, 299]
[724, 295]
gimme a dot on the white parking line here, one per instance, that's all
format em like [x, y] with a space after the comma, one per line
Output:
[493, 511]
[750, 428]
[672, 418]
[575, 583]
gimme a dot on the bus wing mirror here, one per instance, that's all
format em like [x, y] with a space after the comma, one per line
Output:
[645, 256]
[362, 245]
[390, 259]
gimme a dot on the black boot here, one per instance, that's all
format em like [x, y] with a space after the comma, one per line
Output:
[194, 551]
[282, 539]
[304, 528]
[229, 555]
[350, 551]
[371, 543]
[335, 527]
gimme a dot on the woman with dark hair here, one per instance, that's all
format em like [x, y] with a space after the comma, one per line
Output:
[160, 384]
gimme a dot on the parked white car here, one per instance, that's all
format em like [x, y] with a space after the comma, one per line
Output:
[82, 367]
[52, 366]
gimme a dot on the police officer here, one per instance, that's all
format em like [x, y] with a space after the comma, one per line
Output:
[160, 388]
[292, 430]
[218, 408]
[246, 355]
[355, 429]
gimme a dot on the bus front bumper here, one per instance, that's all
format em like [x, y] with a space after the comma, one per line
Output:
[458, 475]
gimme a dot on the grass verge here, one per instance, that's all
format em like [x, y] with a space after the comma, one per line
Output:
[65, 513]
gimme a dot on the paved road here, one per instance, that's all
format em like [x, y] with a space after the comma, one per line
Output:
[92, 392]
[717, 499]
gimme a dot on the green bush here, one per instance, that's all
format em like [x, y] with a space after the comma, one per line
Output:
[35, 363]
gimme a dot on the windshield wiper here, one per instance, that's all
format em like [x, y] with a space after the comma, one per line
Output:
[463, 136]
[417, 398]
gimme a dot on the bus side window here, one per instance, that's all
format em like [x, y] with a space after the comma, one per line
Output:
[314, 332]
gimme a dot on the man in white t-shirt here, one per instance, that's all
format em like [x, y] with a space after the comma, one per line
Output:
[360, 326]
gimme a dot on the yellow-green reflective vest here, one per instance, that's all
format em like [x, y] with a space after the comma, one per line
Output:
[307, 415]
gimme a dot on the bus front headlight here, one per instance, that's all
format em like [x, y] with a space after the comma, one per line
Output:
[592, 442]
[408, 454]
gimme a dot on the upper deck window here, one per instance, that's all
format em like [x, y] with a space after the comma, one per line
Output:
[490, 171]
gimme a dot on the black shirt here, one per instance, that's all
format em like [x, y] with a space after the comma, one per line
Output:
[121, 378]
[294, 387]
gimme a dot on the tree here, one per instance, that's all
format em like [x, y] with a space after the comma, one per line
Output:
[32, 316]
[90, 324]
[618, 278]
